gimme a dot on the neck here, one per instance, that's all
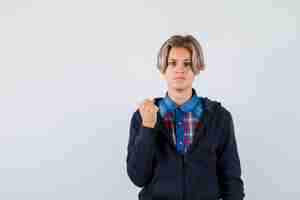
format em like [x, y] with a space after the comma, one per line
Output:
[180, 96]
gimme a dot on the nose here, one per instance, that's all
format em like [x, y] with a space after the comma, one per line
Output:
[180, 68]
[179, 71]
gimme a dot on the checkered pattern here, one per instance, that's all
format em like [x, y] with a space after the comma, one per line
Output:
[189, 124]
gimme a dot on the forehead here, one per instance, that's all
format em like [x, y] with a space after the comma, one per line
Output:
[179, 53]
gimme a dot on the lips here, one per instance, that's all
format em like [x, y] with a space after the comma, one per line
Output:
[179, 78]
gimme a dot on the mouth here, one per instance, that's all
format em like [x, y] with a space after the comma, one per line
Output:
[179, 78]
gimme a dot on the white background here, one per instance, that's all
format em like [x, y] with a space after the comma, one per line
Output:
[72, 73]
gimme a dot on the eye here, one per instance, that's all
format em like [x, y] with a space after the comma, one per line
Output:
[187, 64]
[172, 63]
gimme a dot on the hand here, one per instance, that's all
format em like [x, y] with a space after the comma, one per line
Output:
[148, 111]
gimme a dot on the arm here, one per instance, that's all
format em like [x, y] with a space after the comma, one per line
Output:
[140, 151]
[228, 164]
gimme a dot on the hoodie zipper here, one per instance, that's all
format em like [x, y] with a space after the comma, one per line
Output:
[183, 176]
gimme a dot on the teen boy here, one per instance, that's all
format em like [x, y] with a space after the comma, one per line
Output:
[183, 146]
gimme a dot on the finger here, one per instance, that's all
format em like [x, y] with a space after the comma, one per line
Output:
[148, 105]
[148, 102]
[140, 104]
[151, 98]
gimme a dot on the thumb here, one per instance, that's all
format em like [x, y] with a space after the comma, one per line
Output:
[151, 98]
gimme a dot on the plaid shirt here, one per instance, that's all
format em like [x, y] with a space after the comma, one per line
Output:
[181, 120]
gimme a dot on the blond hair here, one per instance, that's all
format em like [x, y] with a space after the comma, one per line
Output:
[188, 42]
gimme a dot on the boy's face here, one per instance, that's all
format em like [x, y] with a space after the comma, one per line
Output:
[179, 74]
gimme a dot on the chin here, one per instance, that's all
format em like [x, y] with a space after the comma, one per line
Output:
[179, 87]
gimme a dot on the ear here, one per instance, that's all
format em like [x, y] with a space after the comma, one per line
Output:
[197, 73]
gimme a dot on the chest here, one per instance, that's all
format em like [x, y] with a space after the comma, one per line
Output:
[181, 127]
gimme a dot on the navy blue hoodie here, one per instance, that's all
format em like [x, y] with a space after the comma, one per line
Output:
[210, 170]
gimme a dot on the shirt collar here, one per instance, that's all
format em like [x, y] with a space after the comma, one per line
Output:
[188, 106]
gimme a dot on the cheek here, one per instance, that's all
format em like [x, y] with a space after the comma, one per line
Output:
[191, 77]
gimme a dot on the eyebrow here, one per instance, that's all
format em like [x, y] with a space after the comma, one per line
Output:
[187, 59]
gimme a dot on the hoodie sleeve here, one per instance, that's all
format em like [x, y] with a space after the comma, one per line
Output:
[140, 151]
[228, 163]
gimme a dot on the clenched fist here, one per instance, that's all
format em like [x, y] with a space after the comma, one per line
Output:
[148, 112]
